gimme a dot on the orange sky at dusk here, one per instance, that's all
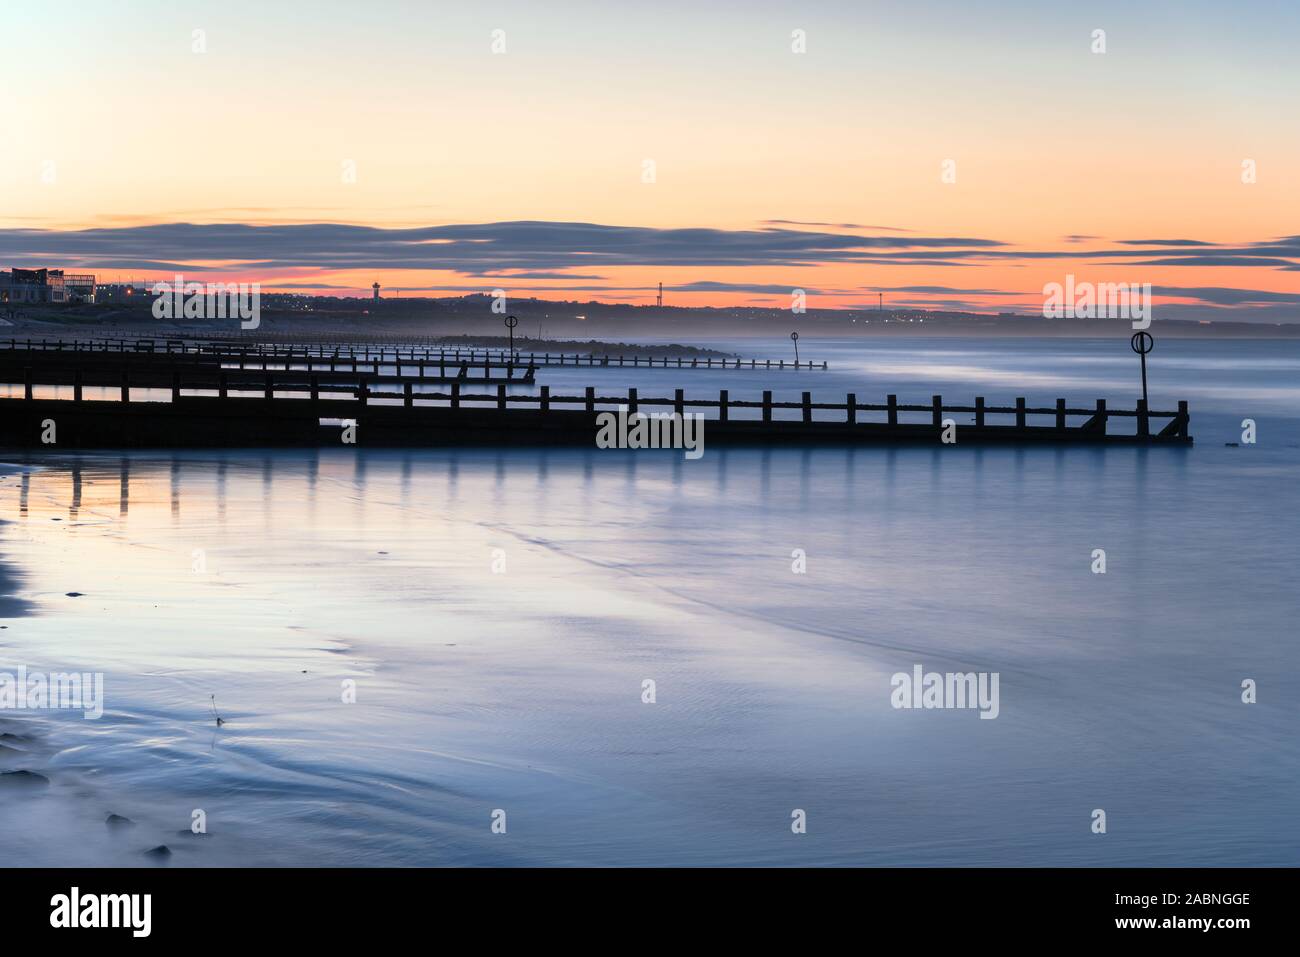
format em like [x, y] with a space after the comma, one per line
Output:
[888, 124]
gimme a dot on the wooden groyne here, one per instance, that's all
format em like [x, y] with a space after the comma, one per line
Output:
[158, 370]
[393, 354]
[304, 413]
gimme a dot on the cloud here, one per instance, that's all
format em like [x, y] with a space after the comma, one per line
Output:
[1163, 242]
[1222, 296]
[770, 289]
[512, 254]
[1216, 261]
[944, 290]
[479, 248]
[510, 277]
[803, 222]
[306, 285]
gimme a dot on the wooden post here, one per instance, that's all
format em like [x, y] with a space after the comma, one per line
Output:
[1183, 418]
[126, 385]
[270, 387]
[221, 384]
[936, 414]
[767, 405]
[591, 398]
[27, 384]
[315, 389]
[1143, 417]
[1101, 416]
[76, 386]
[1020, 412]
[807, 406]
[455, 394]
[501, 396]
[722, 405]
[979, 411]
[408, 395]
[1060, 413]
[679, 406]
[546, 398]
[631, 401]
[851, 409]
[176, 384]
[892, 402]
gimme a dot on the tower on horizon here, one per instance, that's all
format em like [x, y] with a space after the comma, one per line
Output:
[375, 287]
[660, 301]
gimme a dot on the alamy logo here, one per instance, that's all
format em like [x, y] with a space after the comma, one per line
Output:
[922, 689]
[103, 910]
[659, 430]
[34, 691]
[216, 300]
[1106, 300]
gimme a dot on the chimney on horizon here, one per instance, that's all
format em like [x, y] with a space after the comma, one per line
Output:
[375, 287]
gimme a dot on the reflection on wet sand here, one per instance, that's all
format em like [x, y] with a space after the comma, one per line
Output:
[268, 579]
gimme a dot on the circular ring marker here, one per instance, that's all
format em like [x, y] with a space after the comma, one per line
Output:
[794, 336]
[1142, 343]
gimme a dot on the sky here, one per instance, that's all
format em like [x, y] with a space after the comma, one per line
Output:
[943, 154]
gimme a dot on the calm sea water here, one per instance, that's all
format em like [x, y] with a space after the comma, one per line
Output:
[498, 613]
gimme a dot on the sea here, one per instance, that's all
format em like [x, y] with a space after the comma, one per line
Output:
[554, 657]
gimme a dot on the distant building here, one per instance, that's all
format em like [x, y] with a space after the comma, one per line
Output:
[375, 287]
[45, 286]
[121, 291]
[80, 287]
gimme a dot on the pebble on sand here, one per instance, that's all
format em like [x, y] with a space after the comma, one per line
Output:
[23, 779]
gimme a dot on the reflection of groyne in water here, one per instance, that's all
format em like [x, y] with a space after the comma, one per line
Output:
[10, 605]
[156, 370]
[295, 414]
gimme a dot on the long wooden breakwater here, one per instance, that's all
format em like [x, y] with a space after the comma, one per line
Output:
[306, 414]
[389, 354]
[158, 369]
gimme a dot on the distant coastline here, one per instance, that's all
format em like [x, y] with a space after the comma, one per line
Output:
[543, 320]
